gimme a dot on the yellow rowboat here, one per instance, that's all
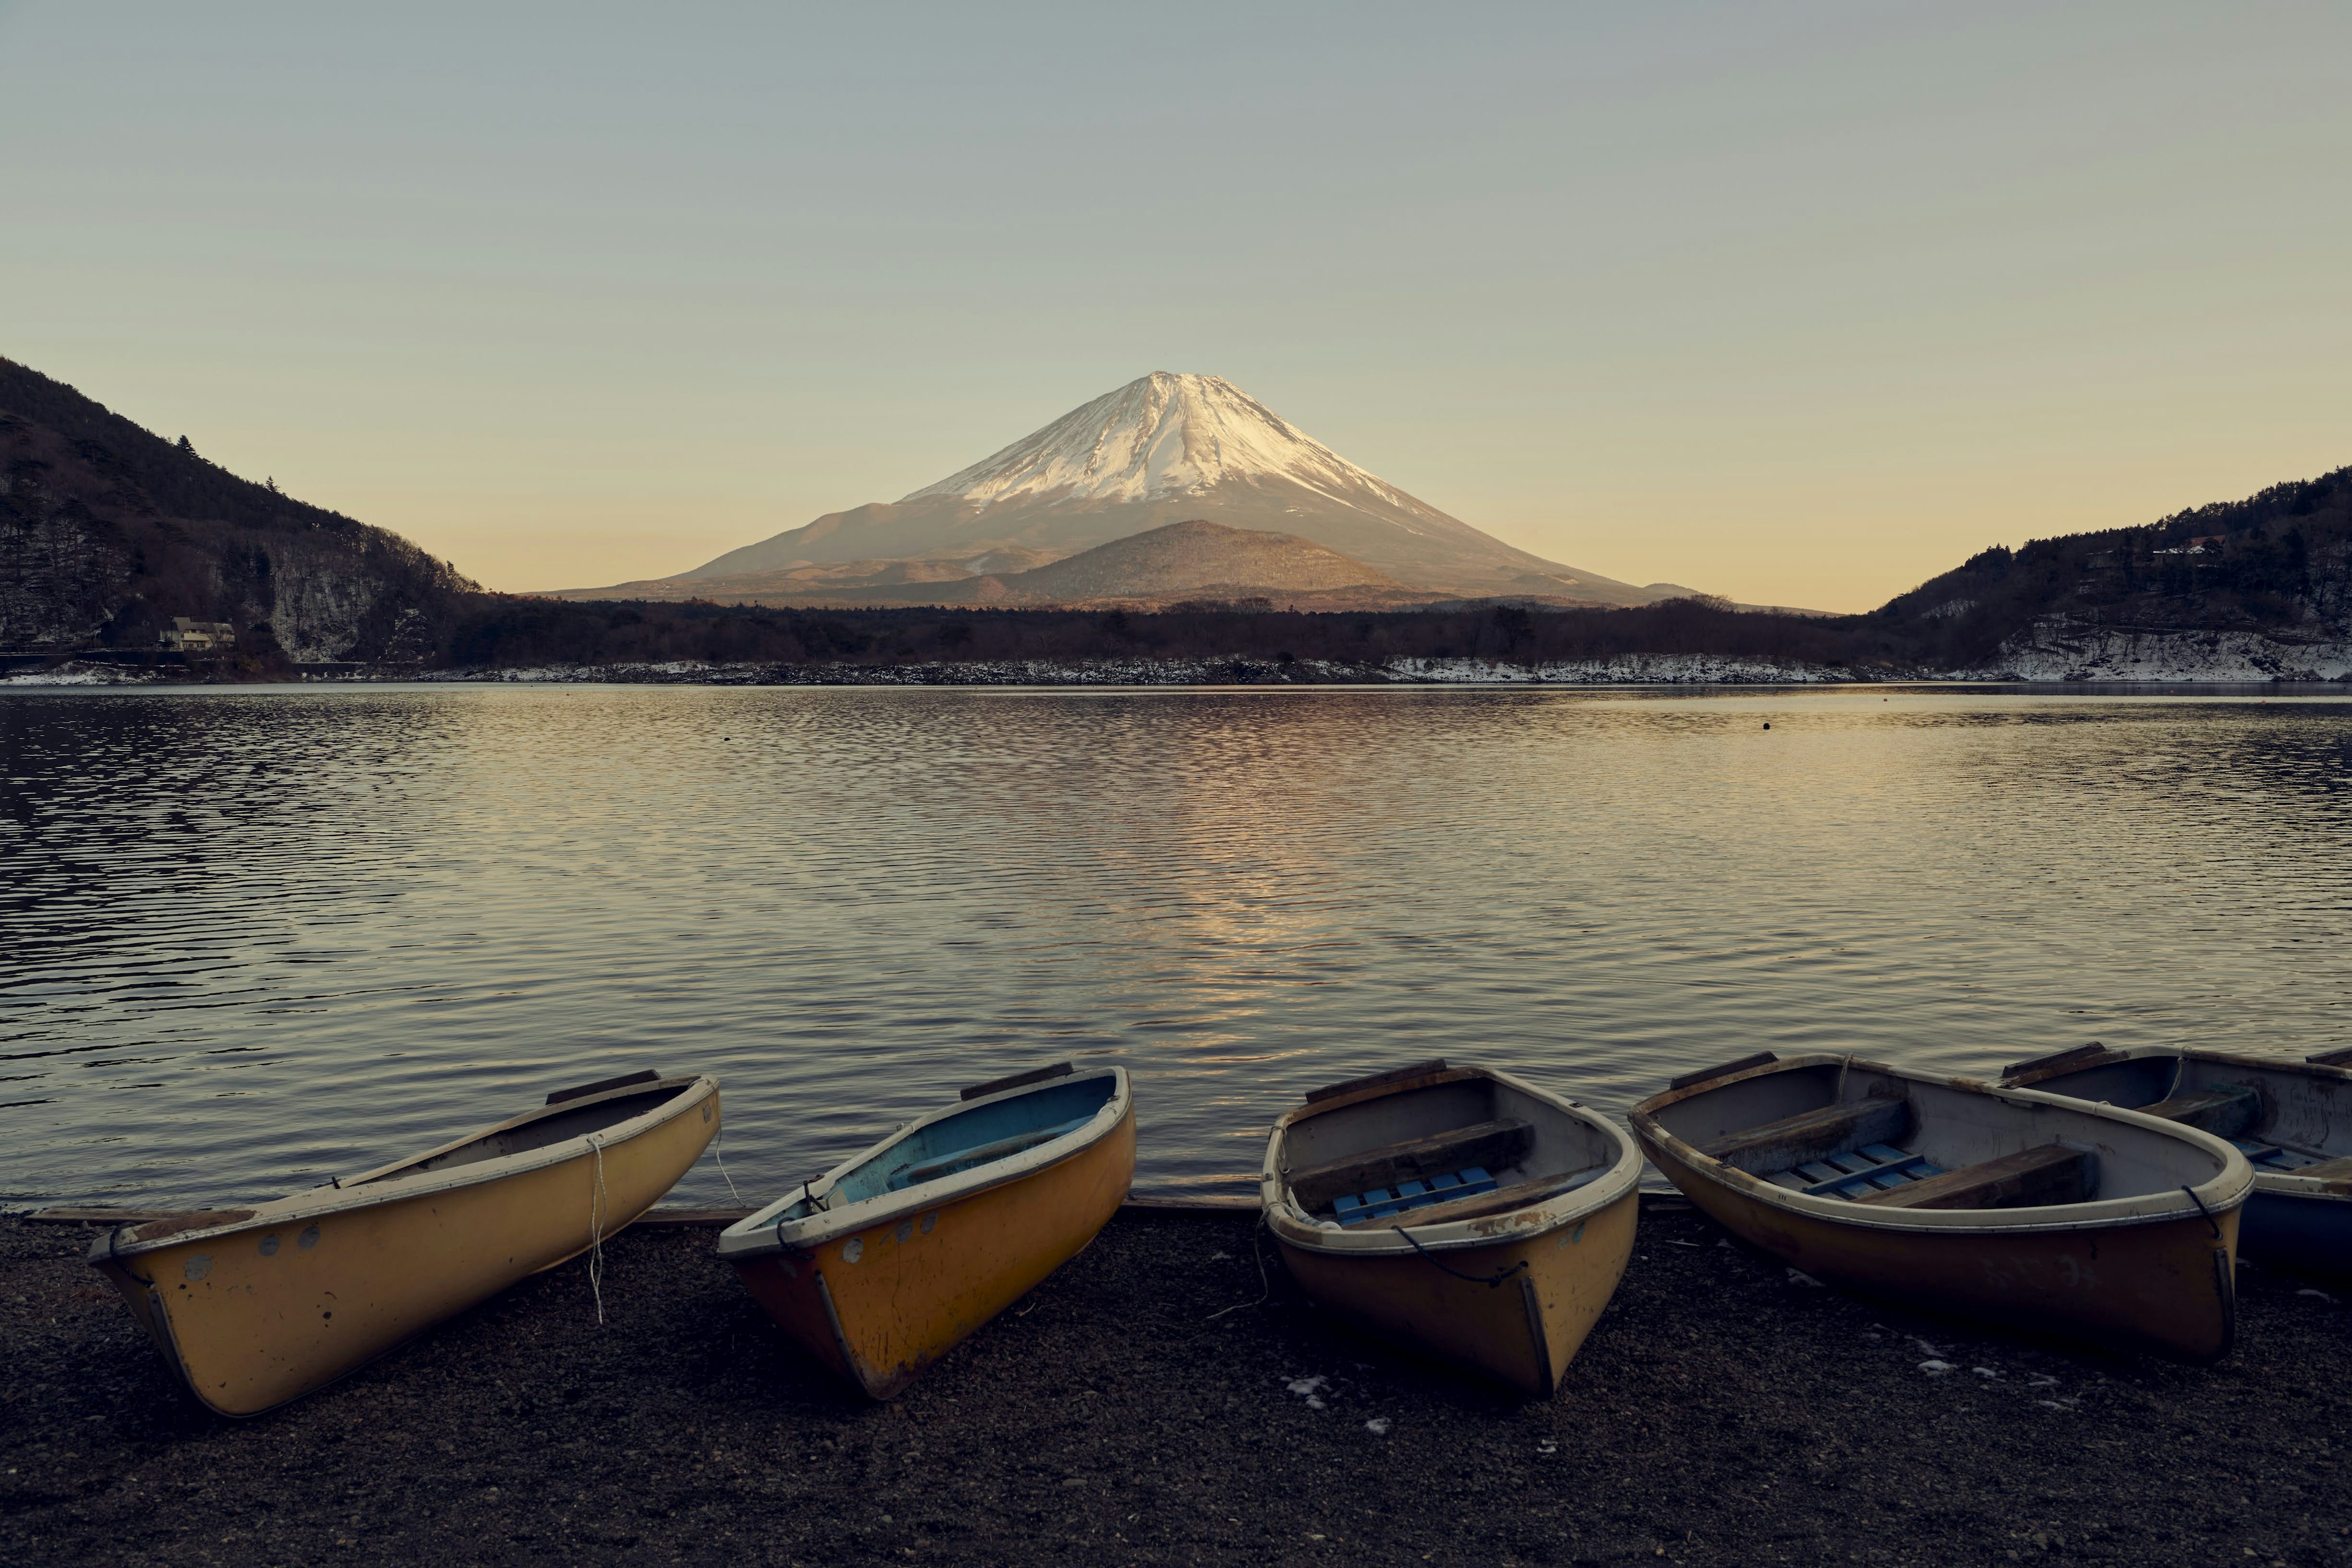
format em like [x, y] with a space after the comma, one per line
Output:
[892, 1258]
[1456, 1212]
[2028, 1209]
[253, 1307]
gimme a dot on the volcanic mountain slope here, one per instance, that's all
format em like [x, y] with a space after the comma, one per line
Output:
[1168, 448]
[107, 531]
[810, 582]
[1194, 557]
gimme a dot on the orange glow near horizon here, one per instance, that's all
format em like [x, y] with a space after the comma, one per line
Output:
[1799, 305]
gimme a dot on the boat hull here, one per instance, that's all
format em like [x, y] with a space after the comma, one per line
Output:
[256, 1316]
[1521, 1332]
[880, 1304]
[2291, 1219]
[2166, 1285]
[1506, 1285]
[2304, 1230]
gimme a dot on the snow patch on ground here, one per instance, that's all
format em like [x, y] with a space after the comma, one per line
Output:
[1625, 670]
[83, 675]
[2062, 649]
[1635, 670]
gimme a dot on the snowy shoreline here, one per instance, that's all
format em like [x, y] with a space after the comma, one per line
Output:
[2123, 661]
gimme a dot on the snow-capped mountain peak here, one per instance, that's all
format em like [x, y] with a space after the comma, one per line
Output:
[1168, 449]
[1162, 436]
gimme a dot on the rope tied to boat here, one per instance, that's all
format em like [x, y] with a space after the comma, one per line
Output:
[783, 1217]
[597, 1209]
[719, 1152]
[1265, 1286]
[2203, 1210]
[1492, 1281]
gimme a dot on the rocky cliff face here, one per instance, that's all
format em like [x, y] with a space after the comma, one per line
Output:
[107, 531]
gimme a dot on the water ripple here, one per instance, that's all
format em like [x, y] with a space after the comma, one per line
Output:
[254, 939]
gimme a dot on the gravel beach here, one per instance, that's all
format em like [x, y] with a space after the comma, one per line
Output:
[1721, 1414]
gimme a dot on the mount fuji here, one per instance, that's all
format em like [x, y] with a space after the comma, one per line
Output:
[1162, 449]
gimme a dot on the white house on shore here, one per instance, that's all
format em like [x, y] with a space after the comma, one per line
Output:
[184, 636]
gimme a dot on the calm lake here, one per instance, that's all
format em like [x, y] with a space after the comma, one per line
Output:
[252, 939]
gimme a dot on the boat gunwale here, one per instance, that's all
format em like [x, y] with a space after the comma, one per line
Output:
[1292, 1226]
[316, 1203]
[2220, 1193]
[760, 1235]
[2115, 1054]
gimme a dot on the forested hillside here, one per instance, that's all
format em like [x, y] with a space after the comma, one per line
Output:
[108, 531]
[2278, 564]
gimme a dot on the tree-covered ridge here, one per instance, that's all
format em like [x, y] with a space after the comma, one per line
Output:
[2278, 562]
[109, 531]
[521, 633]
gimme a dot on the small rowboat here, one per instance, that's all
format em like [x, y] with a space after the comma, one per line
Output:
[2292, 1119]
[2031, 1210]
[1456, 1212]
[253, 1307]
[892, 1258]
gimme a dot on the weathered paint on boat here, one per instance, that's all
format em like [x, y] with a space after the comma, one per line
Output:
[2301, 1217]
[881, 1288]
[1510, 1296]
[254, 1306]
[2151, 1270]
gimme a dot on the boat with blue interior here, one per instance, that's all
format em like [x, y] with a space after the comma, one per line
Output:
[2020, 1207]
[898, 1255]
[2290, 1119]
[1458, 1212]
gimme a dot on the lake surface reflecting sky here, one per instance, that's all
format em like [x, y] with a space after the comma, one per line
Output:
[249, 939]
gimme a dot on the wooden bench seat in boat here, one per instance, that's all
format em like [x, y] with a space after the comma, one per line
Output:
[2048, 1174]
[1490, 1145]
[2225, 1111]
[1881, 1173]
[1812, 1135]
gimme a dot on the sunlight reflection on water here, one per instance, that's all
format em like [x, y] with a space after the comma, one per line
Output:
[256, 938]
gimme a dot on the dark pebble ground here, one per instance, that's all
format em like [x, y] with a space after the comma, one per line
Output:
[1721, 1413]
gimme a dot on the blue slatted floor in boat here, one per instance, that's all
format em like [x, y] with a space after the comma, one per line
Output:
[2270, 1157]
[1356, 1208]
[1873, 1168]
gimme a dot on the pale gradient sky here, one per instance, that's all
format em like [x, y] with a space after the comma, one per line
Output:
[1799, 303]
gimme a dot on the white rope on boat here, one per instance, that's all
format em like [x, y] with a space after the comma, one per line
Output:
[596, 1211]
[719, 1152]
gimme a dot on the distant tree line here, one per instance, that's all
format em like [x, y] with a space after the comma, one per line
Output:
[2280, 560]
[521, 633]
